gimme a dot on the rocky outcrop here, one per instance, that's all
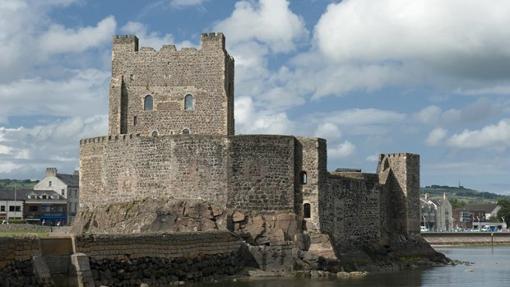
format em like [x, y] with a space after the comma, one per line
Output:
[149, 216]
[276, 241]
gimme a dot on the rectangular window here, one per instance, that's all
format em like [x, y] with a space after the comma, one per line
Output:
[135, 120]
[34, 208]
[2, 208]
[11, 208]
[18, 208]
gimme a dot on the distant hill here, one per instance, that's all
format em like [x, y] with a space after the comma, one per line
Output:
[9, 184]
[460, 196]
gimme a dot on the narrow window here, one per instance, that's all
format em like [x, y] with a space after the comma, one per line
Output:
[307, 210]
[135, 120]
[188, 102]
[49, 183]
[185, 132]
[147, 103]
[303, 177]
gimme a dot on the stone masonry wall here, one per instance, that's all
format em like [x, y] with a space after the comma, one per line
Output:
[16, 267]
[168, 76]
[350, 209]
[401, 175]
[161, 259]
[127, 168]
[169, 245]
[311, 158]
[243, 172]
[262, 173]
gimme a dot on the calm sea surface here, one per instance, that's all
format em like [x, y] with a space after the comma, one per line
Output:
[489, 268]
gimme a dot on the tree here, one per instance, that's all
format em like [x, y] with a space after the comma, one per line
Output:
[504, 212]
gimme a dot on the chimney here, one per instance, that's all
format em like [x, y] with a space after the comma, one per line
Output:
[76, 173]
[51, 171]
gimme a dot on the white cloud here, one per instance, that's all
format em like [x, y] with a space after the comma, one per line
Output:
[27, 151]
[364, 45]
[328, 130]
[430, 30]
[254, 31]
[436, 136]
[29, 37]
[496, 135]
[83, 92]
[270, 22]
[59, 39]
[429, 114]
[249, 120]
[186, 3]
[476, 111]
[342, 150]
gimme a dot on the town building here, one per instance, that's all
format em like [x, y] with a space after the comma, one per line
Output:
[11, 204]
[66, 186]
[436, 214]
[45, 207]
[171, 136]
[467, 216]
[33, 206]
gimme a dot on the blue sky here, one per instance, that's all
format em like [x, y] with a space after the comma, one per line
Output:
[426, 76]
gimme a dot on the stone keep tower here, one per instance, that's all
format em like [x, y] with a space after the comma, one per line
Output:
[190, 91]
[401, 172]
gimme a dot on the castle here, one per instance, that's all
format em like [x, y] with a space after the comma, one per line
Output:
[171, 135]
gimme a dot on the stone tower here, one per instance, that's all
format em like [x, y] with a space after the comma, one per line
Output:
[401, 174]
[190, 91]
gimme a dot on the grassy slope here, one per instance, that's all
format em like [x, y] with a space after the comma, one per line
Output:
[459, 196]
[9, 184]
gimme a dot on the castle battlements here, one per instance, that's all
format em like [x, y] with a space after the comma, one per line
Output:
[130, 44]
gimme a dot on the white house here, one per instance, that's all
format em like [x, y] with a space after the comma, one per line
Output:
[66, 185]
[436, 214]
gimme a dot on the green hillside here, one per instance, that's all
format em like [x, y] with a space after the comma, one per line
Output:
[9, 184]
[460, 196]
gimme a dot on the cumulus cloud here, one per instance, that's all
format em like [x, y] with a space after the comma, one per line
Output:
[59, 39]
[468, 33]
[366, 46]
[268, 21]
[27, 151]
[342, 150]
[495, 135]
[328, 130]
[429, 114]
[250, 120]
[83, 92]
[476, 111]
[436, 136]
[29, 37]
